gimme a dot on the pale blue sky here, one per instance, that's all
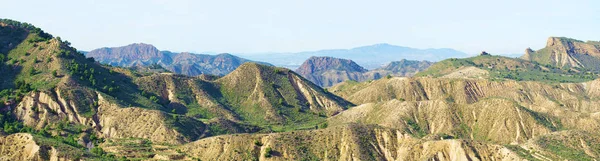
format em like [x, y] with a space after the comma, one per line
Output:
[507, 26]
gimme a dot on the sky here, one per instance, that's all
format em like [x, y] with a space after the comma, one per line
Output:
[503, 27]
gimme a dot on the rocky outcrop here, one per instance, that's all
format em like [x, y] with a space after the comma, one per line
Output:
[566, 52]
[40, 109]
[22, 146]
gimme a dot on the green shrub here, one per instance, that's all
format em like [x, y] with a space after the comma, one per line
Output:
[268, 152]
[258, 143]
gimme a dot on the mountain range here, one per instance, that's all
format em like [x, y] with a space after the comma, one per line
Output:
[323, 71]
[58, 104]
[328, 71]
[370, 57]
[140, 54]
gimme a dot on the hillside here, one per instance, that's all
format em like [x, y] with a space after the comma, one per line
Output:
[402, 68]
[254, 94]
[500, 112]
[141, 54]
[504, 68]
[54, 93]
[567, 52]
[328, 71]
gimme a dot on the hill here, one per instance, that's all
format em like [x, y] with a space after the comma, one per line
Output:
[141, 54]
[502, 68]
[328, 71]
[59, 105]
[402, 68]
[52, 92]
[568, 53]
[370, 57]
[518, 113]
[254, 94]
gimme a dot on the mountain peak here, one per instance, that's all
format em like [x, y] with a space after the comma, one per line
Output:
[142, 46]
[379, 46]
[382, 45]
[314, 67]
[321, 64]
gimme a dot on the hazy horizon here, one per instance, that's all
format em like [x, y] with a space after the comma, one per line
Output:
[506, 27]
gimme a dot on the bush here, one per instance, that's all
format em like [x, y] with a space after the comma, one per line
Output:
[268, 152]
[98, 151]
[258, 143]
[154, 99]
[323, 125]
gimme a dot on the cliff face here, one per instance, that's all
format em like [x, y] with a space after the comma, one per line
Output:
[566, 52]
[23, 146]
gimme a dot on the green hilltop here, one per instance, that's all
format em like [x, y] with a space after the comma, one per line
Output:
[500, 67]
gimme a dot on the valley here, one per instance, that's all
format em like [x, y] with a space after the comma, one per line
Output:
[139, 103]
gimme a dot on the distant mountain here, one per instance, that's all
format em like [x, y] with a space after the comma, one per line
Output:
[328, 71]
[141, 54]
[567, 52]
[370, 57]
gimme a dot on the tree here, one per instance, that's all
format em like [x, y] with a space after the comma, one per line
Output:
[54, 73]
[154, 99]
